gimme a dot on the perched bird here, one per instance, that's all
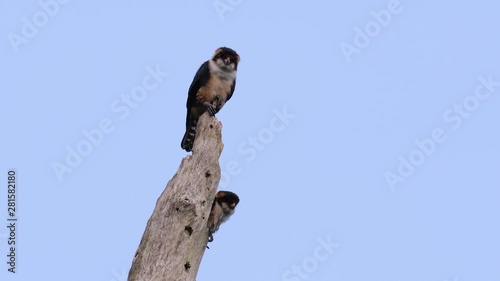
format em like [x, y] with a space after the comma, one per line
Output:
[212, 86]
[222, 209]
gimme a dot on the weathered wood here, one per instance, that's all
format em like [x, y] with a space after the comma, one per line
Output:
[175, 238]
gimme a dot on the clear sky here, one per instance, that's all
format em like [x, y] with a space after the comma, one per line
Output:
[360, 138]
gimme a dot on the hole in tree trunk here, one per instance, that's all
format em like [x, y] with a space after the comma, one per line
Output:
[188, 229]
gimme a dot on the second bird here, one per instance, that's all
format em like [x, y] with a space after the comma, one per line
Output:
[212, 86]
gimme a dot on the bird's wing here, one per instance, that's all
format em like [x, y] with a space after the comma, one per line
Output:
[201, 78]
[232, 91]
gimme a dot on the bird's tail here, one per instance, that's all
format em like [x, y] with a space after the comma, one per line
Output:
[188, 139]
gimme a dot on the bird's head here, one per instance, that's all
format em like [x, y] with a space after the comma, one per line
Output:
[226, 59]
[227, 200]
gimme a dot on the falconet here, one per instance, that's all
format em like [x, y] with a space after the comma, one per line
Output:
[212, 86]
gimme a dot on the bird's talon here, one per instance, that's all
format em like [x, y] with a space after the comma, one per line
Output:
[211, 110]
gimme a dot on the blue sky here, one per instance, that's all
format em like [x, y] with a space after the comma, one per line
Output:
[360, 138]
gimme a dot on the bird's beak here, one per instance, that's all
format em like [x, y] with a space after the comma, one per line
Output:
[227, 61]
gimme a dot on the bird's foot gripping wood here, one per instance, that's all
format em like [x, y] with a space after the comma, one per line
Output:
[210, 108]
[210, 239]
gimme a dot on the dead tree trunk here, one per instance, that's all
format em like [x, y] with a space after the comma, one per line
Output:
[176, 235]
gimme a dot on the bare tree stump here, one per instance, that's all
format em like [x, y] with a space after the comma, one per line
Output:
[176, 234]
